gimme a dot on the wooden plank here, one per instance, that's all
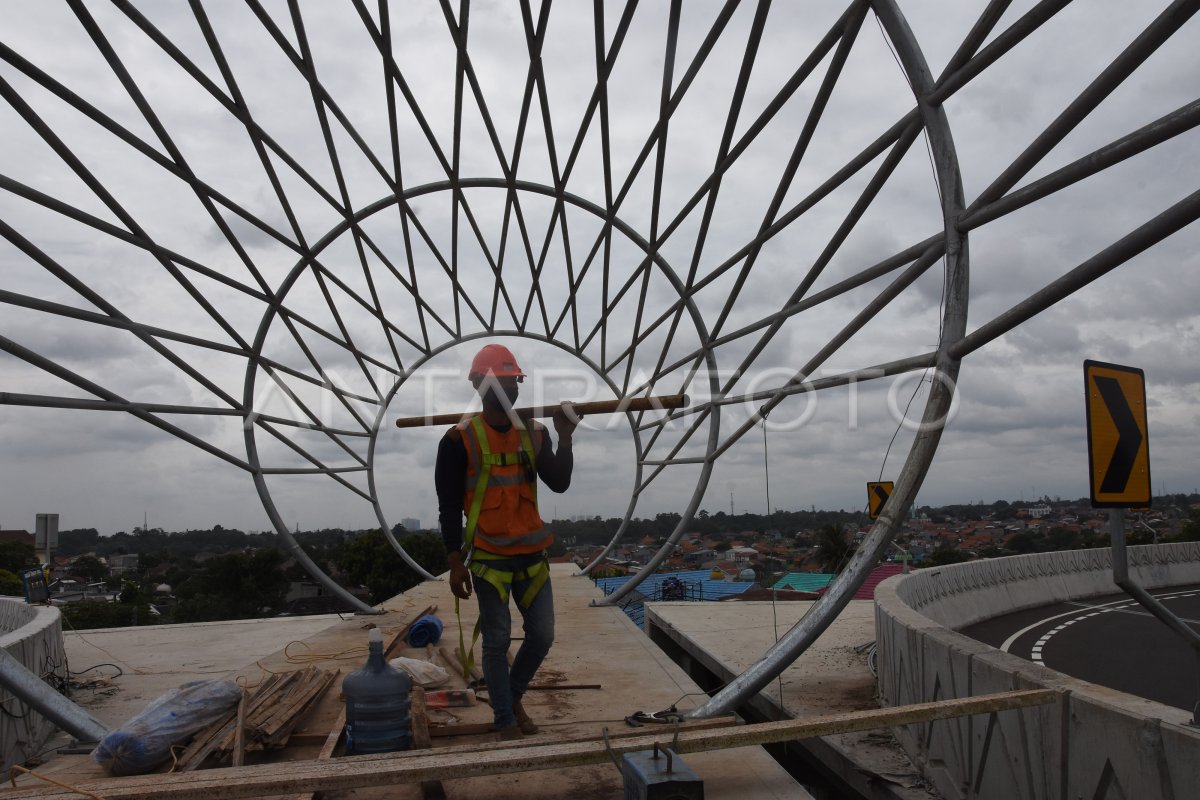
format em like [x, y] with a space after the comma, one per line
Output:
[620, 405]
[355, 772]
[273, 732]
[239, 738]
[331, 743]
[462, 729]
[420, 719]
[480, 728]
[430, 790]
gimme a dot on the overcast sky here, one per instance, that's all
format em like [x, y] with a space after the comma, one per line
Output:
[1018, 430]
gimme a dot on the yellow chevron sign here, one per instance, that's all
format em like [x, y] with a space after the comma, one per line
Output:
[877, 495]
[1118, 436]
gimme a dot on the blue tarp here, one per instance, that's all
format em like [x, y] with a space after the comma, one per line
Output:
[699, 585]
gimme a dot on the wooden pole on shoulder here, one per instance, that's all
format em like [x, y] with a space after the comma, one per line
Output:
[620, 406]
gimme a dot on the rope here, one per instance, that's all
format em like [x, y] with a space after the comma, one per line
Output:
[310, 657]
[15, 768]
[175, 750]
[79, 633]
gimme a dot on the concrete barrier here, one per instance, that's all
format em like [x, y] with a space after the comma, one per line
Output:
[33, 636]
[1095, 743]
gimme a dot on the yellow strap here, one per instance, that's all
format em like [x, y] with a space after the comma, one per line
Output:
[485, 471]
[466, 657]
[503, 579]
[540, 577]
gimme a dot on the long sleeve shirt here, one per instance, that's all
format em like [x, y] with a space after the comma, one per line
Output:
[450, 471]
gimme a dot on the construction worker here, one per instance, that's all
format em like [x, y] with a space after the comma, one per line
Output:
[487, 468]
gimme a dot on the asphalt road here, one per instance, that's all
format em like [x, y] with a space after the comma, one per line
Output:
[1109, 640]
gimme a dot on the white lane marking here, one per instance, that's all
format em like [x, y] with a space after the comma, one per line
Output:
[1103, 608]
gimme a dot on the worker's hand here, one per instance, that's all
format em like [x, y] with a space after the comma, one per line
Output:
[460, 577]
[565, 421]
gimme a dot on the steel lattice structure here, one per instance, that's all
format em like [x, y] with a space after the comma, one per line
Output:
[381, 199]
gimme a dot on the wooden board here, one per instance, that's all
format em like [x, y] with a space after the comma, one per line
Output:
[504, 758]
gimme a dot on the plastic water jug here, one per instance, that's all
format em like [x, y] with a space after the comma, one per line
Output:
[377, 704]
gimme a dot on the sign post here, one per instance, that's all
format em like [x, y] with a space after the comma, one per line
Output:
[1119, 474]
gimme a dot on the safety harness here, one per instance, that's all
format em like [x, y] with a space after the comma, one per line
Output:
[501, 579]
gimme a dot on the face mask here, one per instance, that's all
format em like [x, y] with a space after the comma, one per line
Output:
[499, 396]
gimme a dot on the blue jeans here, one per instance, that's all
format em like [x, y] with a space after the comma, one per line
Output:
[506, 686]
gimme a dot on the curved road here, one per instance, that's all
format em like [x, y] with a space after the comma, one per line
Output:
[1109, 640]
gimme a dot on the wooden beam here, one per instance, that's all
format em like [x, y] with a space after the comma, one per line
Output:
[480, 728]
[239, 736]
[355, 772]
[433, 789]
[662, 402]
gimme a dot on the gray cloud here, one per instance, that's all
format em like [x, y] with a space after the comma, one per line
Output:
[1021, 408]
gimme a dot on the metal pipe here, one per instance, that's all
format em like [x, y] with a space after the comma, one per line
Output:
[1148, 41]
[37, 695]
[1162, 129]
[1120, 568]
[1185, 212]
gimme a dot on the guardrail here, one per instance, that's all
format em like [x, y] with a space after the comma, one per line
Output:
[33, 636]
[1096, 742]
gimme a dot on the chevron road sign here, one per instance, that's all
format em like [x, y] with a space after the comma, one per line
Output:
[877, 495]
[1118, 437]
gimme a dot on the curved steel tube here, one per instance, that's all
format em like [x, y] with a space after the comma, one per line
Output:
[305, 263]
[941, 395]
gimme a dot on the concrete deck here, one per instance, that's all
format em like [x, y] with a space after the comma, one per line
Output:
[724, 638]
[593, 646]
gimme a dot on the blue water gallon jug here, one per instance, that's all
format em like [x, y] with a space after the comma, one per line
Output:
[377, 704]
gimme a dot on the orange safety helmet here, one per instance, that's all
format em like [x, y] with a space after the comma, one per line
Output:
[496, 359]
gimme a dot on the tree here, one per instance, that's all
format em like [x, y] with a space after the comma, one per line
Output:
[946, 555]
[17, 556]
[1024, 542]
[234, 586]
[99, 614]
[89, 568]
[1058, 538]
[833, 551]
[369, 560]
[1190, 531]
[666, 522]
[10, 584]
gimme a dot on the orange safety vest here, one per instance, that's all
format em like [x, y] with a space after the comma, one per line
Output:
[505, 520]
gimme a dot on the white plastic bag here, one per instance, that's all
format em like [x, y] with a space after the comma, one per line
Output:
[425, 673]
